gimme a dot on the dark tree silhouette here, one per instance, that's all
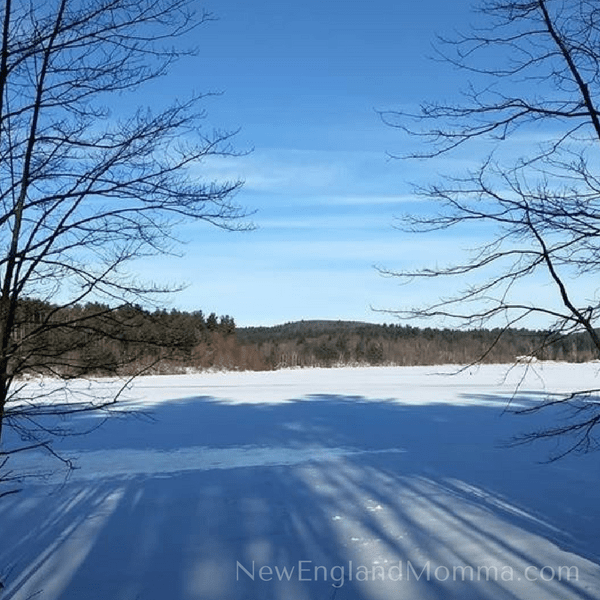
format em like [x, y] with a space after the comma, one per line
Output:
[534, 86]
[86, 184]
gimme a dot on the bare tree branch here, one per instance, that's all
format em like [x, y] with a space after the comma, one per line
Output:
[532, 63]
[87, 186]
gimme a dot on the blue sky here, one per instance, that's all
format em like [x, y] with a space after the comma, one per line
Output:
[303, 81]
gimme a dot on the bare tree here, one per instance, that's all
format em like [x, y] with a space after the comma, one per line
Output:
[531, 109]
[86, 183]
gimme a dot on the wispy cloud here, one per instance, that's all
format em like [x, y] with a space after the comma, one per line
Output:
[367, 200]
[321, 172]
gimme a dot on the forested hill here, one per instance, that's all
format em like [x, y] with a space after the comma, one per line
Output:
[299, 329]
[327, 343]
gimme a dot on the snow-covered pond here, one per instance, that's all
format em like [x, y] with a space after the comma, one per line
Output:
[362, 484]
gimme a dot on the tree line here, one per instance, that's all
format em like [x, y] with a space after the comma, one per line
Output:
[332, 343]
[97, 340]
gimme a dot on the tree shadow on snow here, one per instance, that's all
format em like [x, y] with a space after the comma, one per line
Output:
[333, 497]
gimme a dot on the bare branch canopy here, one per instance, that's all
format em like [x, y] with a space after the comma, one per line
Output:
[90, 177]
[532, 107]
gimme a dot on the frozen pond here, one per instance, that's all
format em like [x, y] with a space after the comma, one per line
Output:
[363, 484]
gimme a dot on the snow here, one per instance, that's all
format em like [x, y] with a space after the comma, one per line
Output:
[346, 484]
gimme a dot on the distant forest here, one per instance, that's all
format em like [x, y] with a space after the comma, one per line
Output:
[330, 343]
[98, 340]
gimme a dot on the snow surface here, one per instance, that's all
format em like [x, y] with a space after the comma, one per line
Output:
[363, 484]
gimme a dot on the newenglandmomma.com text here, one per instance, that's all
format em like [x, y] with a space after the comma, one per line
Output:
[306, 570]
